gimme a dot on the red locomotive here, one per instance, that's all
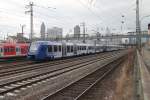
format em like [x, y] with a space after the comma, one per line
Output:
[8, 50]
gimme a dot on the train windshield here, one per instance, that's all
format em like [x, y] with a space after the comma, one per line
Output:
[34, 47]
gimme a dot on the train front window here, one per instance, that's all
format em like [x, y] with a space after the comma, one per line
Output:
[34, 47]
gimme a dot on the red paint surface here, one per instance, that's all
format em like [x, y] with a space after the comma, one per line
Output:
[9, 49]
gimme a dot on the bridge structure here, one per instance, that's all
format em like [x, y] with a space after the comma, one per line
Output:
[108, 37]
[99, 38]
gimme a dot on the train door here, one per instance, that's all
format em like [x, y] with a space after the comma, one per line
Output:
[18, 51]
[64, 50]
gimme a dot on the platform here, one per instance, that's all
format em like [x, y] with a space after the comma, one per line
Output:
[143, 64]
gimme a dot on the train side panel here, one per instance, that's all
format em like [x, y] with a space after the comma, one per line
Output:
[9, 50]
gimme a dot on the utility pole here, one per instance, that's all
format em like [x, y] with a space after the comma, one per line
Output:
[30, 6]
[138, 29]
[83, 25]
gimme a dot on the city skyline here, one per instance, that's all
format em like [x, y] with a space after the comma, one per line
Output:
[69, 13]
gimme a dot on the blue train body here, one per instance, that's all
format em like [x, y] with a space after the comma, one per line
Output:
[39, 51]
[46, 50]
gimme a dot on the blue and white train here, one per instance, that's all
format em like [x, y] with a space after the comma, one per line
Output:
[45, 50]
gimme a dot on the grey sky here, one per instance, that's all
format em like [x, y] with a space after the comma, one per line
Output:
[68, 13]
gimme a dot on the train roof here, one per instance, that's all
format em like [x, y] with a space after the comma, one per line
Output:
[13, 44]
[47, 42]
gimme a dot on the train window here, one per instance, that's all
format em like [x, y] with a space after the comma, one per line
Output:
[1, 49]
[68, 48]
[13, 49]
[5, 49]
[59, 48]
[9, 49]
[71, 48]
[55, 48]
[89, 47]
[82, 47]
[78, 47]
[17, 50]
[50, 49]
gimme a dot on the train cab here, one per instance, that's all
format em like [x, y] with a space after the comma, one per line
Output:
[33, 52]
[42, 50]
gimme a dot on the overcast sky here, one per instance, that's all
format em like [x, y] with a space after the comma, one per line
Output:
[68, 13]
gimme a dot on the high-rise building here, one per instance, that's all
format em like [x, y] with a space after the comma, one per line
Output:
[77, 31]
[43, 30]
[55, 33]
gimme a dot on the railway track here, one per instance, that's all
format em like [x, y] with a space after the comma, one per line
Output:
[10, 61]
[15, 64]
[76, 90]
[23, 63]
[12, 88]
[27, 67]
[53, 68]
[42, 71]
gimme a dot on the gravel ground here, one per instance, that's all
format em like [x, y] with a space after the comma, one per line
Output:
[55, 83]
[117, 86]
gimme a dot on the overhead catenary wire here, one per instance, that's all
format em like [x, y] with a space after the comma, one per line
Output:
[90, 10]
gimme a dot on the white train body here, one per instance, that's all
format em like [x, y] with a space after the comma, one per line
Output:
[43, 50]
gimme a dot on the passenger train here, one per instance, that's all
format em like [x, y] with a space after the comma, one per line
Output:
[43, 50]
[8, 50]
